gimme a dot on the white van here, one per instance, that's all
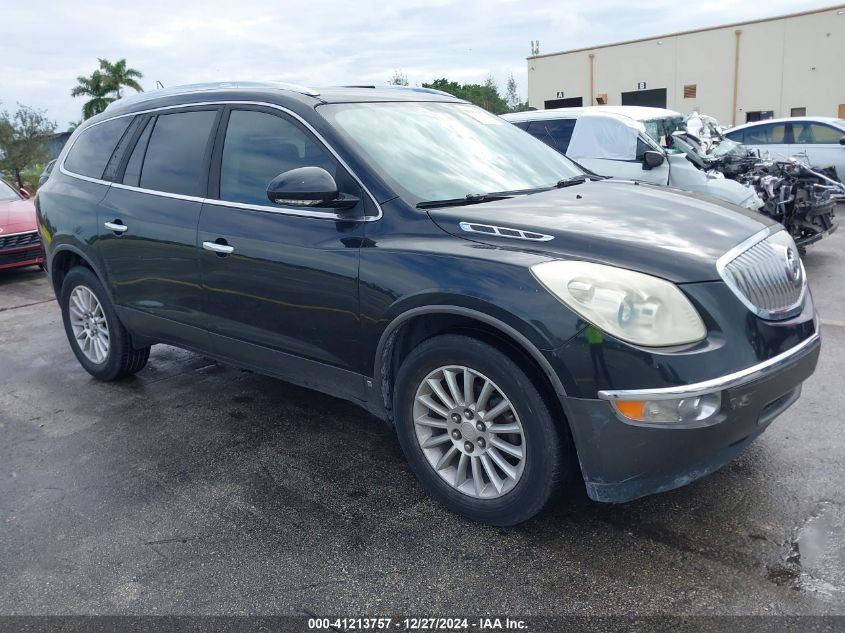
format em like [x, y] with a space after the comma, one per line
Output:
[628, 142]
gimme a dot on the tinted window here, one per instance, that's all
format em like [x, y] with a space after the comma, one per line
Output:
[766, 134]
[174, 158]
[94, 146]
[805, 132]
[735, 136]
[260, 146]
[553, 133]
[132, 175]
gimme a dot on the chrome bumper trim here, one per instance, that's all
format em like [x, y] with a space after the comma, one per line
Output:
[728, 381]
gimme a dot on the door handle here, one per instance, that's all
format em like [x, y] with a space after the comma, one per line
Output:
[117, 226]
[222, 249]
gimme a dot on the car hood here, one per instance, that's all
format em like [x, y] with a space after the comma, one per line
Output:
[16, 216]
[674, 235]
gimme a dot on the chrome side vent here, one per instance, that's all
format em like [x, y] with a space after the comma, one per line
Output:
[501, 231]
[766, 274]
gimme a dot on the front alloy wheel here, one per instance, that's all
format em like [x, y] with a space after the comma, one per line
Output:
[469, 432]
[476, 431]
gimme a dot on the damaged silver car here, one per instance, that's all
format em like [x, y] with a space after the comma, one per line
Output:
[630, 143]
[799, 196]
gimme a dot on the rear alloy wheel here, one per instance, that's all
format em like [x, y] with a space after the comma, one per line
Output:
[89, 325]
[97, 337]
[476, 431]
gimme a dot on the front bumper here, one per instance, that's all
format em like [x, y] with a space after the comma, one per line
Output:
[13, 258]
[621, 460]
[20, 249]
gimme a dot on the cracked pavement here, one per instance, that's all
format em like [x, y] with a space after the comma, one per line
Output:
[196, 488]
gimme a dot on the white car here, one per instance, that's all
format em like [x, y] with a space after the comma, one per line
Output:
[819, 141]
[627, 142]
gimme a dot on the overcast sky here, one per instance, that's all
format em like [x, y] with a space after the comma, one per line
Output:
[44, 46]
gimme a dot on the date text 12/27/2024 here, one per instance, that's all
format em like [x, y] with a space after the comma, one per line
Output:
[417, 624]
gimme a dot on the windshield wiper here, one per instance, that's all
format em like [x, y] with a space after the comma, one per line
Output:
[470, 198]
[574, 180]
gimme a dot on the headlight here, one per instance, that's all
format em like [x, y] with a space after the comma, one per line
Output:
[631, 306]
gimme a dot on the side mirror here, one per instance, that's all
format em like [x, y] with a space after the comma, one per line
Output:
[652, 159]
[25, 193]
[308, 187]
[842, 141]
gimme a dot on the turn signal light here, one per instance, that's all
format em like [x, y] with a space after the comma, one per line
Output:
[691, 409]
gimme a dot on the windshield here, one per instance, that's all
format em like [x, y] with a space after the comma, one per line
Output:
[660, 130]
[726, 146]
[7, 193]
[438, 151]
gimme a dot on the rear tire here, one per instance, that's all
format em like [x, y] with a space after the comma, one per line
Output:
[97, 337]
[476, 432]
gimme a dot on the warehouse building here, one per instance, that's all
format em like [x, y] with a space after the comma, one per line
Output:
[789, 65]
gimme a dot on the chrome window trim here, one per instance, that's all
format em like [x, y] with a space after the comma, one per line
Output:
[239, 205]
[728, 381]
[738, 250]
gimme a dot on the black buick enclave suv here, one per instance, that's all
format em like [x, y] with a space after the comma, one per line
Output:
[512, 316]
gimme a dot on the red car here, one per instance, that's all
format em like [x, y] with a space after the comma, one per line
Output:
[19, 241]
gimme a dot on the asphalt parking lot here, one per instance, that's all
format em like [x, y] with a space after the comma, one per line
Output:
[196, 488]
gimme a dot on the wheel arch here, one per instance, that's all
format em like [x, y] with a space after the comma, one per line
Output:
[413, 326]
[65, 257]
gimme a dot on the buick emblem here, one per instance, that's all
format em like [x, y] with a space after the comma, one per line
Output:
[793, 265]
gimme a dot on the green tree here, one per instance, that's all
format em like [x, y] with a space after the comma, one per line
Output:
[22, 137]
[512, 96]
[484, 95]
[105, 85]
[398, 79]
[119, 75]
[98, 89]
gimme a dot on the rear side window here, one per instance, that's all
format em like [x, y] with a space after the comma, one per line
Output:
[555, 133]
[805, 132]
[258, 147]
[92, 149]
[175, 157]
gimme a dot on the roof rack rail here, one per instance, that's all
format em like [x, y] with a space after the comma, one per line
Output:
[205, 87]
[395, 87]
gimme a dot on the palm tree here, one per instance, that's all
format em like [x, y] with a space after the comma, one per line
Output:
[97, 87]
[118, 75]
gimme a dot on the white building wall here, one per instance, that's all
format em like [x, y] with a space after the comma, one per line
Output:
[791, 62]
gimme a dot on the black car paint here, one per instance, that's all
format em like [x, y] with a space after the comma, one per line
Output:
[321, 301]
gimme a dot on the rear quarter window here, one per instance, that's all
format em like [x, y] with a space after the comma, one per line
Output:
[92, 149]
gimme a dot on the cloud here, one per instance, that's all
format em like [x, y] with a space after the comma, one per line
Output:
[317, 42]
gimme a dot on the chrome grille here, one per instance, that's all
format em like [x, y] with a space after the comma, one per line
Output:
[767, 275]
[18, 240]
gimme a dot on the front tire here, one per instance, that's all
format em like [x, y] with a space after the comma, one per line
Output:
[97, 337]
[475, 430]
